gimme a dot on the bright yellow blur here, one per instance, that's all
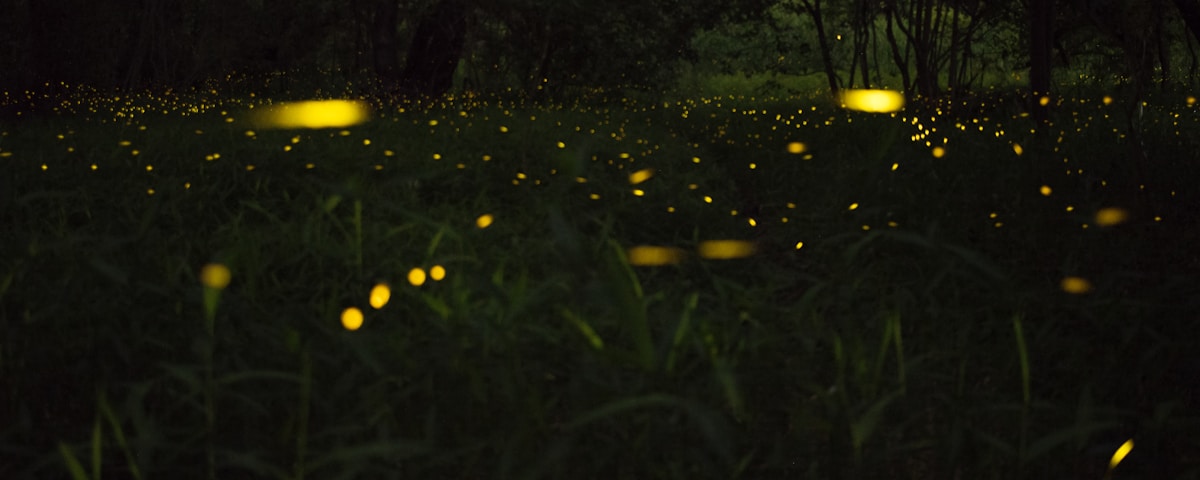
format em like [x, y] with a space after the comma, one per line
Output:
[314, 114]
[726, 249]
[1120, 454]
[352, 318]
[380, 295]
[437, 273]
[1110, 216]
[215, 276]
[875, 101]
[650, 256]
[484, 220]
[416, 277]
[640, 176]
[1076, 285]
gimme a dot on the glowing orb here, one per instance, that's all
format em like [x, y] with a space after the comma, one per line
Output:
[215, 276]
[875, 101]
[649, 256]
[314, 114]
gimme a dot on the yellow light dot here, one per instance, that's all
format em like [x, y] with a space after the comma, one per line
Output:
[939, 152]
[503, 129]
[312, 114]
[695, 159]
[437, 273]
[895, 166]
[1045, 100]
[380, 295]
[1046, 191]
[796, 148]
[752, 222]
[95, 167]
[150, 191]
[875, 101]
[1191, 100]
[416, 277]
[1107, 100]
[149, 168]
[433, 123]
[352, 318]
[651, 256]
[366, 141]
[1076, 285]
[799, 245]
[707, 199]
[484, 221]
[640, 176]
[1121, 452]
[853, 206]
[215, 275]
[637, 192]
[594, 196]
[562, 145]
[1017, 149]
[726, 249]
[1110, 216]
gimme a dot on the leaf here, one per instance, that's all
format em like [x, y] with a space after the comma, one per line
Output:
[72, 462]
[862, 428]
[621, 406]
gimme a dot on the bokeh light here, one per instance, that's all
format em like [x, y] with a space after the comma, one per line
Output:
[314, 114]
[215, 276]
[416, 277]
[1076, 285]
[1107, 217]
[380, 295]
[484, 221]
[650, 256]
[352, 318]
[874, 101]
[726, 249]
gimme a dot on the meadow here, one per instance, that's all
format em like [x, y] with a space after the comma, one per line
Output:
[722, 287]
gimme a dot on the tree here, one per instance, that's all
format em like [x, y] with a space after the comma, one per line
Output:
[435, 50]
[813, 7]
[1041, 41]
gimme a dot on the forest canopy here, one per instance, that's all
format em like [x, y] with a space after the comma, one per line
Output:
[546, 48]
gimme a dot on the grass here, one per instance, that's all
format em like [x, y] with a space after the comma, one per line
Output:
[902, 314]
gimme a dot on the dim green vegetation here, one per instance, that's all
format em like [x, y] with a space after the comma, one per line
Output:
[938, 293]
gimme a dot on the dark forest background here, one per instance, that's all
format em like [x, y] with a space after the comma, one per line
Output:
[555, 47]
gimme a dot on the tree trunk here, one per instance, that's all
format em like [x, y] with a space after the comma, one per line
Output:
[435, 50]
[814, 10]
[385, 60]
[901, 60]
[1190, 11]
[1041, 29]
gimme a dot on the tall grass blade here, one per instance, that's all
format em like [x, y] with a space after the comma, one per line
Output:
[73, 465]
[119, 435]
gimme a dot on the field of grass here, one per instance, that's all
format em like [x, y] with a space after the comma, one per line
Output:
[712, 288]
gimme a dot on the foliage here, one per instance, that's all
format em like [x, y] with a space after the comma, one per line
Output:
[902, 314]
